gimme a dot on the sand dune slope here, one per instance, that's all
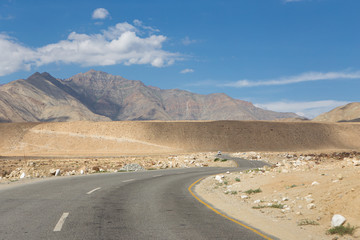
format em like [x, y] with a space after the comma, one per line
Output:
[153, 137]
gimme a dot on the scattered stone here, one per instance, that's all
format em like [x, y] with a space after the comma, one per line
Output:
[219, 177]
[57, 172]
[356, 162]
[22, 175]
[314, 183]
[309, 199]
[257, 201]
[340, 177]
[285, 199]
[81, 171]
[96, 169]
[132, 167]
[337, 220]
[311, 206]
[244, 196]
[52, 171]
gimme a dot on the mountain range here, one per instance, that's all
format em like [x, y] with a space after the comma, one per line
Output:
[99, 96]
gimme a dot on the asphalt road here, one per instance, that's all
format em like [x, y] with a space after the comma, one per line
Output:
[137, 205]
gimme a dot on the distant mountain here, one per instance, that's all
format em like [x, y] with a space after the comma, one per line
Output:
[347, 113]
[42, 98]
[98, 96]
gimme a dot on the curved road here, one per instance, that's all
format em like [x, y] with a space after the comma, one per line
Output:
[137, 205]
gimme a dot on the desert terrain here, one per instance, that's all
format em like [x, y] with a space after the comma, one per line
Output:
[304, 163]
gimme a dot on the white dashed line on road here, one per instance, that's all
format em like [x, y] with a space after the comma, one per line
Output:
[90, 192]
[61, 222]
[128, 180]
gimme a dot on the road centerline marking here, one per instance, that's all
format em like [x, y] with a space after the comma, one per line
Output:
[90, 192]
[61, 222]
[129, 180]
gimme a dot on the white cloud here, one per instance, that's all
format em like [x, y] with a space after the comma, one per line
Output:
[118, 44]
[187, 70]
[308, 109]
[305, 77]
[187, 41]
[14, 56]
[100, 13]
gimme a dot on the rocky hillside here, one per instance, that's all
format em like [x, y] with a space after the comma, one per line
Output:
[347, 113]
[98, 96]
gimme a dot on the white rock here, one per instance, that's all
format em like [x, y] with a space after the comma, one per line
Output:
[315, 183]
[309, 199]
[81, 171]
[22, 175]
[284, 171]
[219, 177]
[337, 220]
[227, 172]
[244, 196]
[285, 199]
[57, 172]
[257, 201]
[311, 206]
[356, 162]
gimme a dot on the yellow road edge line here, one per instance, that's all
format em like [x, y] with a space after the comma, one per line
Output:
[223, 215]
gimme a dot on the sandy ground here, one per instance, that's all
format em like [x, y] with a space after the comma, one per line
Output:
[311, 188]
[311, 182]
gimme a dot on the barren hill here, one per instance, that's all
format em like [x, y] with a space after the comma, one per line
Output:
[98, 96]
[347, 113]
[154, 137]
[41, 98]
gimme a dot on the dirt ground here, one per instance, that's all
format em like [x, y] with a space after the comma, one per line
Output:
[310, 183]
[14, 169]
[311, 188]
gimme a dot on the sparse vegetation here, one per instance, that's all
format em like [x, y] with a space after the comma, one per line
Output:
[342, 230]
[292, 186]
[152, 169]
[237, 179]
[224, 160]
[280, 206]
[234, 192]
[216, 159]
[304, 222]
[226, 182]
[252, 191]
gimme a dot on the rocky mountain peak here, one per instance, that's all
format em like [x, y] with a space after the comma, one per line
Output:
[98, 95]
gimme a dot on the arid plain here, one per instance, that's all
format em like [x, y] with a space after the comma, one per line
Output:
[35, 150]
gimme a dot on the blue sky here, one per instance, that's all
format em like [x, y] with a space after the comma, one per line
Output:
[300, 56]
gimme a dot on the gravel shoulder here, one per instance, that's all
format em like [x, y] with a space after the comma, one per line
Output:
[308, 187]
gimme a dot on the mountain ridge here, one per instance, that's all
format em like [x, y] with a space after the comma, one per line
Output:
[100, 96]
[346, 113]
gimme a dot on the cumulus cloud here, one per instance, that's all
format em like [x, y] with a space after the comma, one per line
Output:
[187, 70]
[100, 13]
[309, 109]
[14, 56]
[305, 77]
[119, 44]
